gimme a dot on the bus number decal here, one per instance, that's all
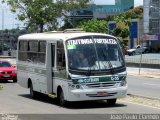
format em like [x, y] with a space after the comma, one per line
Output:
[115, 78]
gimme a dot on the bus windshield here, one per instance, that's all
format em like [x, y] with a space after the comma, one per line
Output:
[94, 53]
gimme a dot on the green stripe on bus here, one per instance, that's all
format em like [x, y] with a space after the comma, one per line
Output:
[99, 79]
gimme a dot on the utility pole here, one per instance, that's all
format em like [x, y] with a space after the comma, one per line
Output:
[2, 30]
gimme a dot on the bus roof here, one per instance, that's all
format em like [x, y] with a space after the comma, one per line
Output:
[57, 35]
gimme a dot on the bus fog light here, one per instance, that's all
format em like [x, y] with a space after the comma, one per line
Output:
[78, 86]
[123, 83]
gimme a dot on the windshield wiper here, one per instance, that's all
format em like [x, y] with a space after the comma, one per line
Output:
[91, 65]
[109, 62]
[111, 67]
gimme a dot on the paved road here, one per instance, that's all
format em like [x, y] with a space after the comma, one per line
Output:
[144, 86]
[15, 99]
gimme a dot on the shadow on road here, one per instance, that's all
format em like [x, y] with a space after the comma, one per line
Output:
[74, 105]
[6, 81]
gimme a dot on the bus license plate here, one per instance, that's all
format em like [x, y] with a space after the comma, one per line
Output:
[102, 93]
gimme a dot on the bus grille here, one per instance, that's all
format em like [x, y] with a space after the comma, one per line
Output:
[100, 85]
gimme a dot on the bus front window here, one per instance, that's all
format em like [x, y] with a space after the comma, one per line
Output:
[97, 53]
[79, 58]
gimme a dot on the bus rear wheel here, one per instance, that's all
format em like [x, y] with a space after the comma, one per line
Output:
[111, 101]
[33, 94]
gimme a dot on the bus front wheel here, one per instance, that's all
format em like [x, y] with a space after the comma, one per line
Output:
[111, 101]
[61, 99]
[33, 94]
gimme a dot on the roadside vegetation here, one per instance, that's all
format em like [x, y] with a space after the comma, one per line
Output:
[1, 87]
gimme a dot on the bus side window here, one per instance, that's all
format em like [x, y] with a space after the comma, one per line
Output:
[60, 55]
[32, 51]
[42, 52]
[23, 49]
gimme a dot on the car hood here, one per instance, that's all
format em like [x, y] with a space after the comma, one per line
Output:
[7, 68]
[131, 50]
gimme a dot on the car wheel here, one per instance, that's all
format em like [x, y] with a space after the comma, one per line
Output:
[129, 54]
[14, 80]
[133, 53]
[111, 101]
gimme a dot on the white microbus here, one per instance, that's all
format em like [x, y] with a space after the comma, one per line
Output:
[72, 66]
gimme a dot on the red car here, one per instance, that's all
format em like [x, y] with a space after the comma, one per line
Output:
[7, 71]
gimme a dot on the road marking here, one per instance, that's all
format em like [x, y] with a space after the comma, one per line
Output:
[151, 84]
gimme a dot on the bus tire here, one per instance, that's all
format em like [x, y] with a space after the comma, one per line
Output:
[61, 99]
[33, 93]
[111, 101]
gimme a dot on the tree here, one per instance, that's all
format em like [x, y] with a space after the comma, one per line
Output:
[137, 12]
[123, 21]
[93, 25]
[40, 13]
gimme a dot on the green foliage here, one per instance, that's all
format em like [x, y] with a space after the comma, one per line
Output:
[125, 33]
[122, 18]
[137, 12]
[125, 18]
[134, 13]
[37, 13]
[119, 32]
[93, 25]
[10, 37]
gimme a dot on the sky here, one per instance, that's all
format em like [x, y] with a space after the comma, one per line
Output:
[10, 20]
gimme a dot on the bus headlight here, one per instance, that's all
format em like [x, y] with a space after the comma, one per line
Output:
[74, 86]
[123, 82]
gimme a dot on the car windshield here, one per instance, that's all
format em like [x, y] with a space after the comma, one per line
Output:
[94, 53]
[5, 64]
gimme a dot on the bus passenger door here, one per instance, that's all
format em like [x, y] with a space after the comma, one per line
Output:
[50, 66]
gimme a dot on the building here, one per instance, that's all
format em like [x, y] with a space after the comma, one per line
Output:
[136, 31]
[102, 11]
[152, 24]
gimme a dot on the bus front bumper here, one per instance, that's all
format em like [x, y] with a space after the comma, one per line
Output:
[96, 94]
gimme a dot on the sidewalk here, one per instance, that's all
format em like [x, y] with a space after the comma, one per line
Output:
[147, 72]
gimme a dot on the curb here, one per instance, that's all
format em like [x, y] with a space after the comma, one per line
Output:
[141, 96]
